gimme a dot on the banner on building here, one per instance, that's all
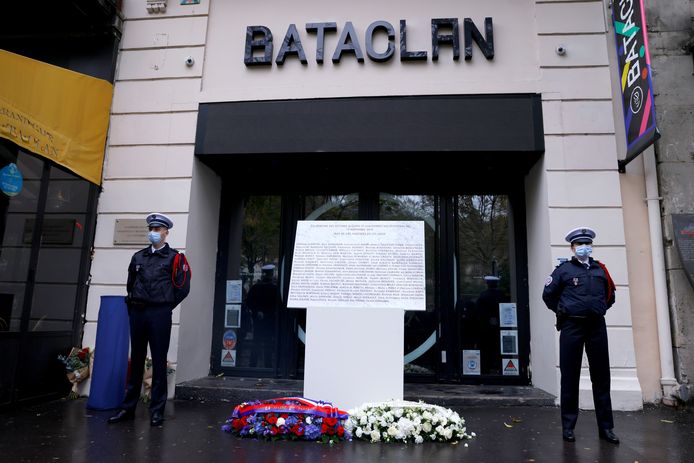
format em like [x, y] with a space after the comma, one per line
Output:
[56, 113]
[634, 67]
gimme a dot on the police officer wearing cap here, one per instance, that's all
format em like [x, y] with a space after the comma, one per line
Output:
[150, 301]
[580, 291]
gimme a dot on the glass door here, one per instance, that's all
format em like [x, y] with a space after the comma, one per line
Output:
[475, 324]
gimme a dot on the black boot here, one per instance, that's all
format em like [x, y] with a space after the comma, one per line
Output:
[609, 436]
[568, 435]
[122, 415]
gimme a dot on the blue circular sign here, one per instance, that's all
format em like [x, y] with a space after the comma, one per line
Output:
[229, 340]
[11, 180]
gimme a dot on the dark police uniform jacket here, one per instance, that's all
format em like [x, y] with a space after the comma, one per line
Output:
[149, 278]
[576, 291]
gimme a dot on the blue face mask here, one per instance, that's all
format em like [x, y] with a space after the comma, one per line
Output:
[583, 251]
[154, 237]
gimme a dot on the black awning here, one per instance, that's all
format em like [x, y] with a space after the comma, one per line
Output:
[450, 123]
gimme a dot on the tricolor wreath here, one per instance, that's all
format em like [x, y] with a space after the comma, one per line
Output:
[293, 418]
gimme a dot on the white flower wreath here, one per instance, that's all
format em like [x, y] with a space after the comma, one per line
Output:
[405, 421]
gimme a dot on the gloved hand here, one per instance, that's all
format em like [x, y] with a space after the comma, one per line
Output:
[561, 317]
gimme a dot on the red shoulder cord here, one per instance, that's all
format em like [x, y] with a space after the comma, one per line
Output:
[186, 270]
[610, 284]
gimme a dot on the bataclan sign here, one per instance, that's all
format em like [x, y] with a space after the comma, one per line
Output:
[444, 31]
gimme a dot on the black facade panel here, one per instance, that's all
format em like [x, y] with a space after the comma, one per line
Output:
[455, 123]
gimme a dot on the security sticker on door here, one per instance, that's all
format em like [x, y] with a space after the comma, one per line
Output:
[228, 358]
[509, 367]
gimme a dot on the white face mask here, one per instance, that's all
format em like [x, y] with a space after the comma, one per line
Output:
[154, 237]
[584, 251]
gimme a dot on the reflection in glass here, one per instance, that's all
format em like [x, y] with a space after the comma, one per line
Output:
[258, 267]
[484, 274]
[420, 327]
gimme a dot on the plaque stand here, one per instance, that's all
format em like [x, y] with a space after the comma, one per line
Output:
[354, 355]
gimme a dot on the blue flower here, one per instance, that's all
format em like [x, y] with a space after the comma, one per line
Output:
[312, 432]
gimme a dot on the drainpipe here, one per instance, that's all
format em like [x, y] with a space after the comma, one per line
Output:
[668, 382]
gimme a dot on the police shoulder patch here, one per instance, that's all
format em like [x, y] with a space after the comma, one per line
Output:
[548, 281]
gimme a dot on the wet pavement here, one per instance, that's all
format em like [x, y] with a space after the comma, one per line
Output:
[65, 431]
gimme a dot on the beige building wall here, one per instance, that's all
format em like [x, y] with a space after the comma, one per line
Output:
[150, 163]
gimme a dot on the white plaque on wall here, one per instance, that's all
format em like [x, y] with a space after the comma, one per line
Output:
[359, 264]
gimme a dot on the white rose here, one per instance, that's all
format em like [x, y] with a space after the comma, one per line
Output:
[427, 416]
[375, 436]
[280, 422]
[426, 427]
[444, 421]
[440, 430]
[448, 433]
[392, 431]
[308, 420]
[359, 432]
[418, 440]
[363, 419]
[397, 412]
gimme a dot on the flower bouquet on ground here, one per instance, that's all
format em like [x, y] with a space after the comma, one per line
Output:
[290, 418]
[404, 421]
[76, 367]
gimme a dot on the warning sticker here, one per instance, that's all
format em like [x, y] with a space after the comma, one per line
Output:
[228, 358]
[509, 367]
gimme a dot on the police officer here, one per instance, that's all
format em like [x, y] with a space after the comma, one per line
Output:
[151, 299]
[580, 291]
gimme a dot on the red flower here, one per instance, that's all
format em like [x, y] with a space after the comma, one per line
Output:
[340, 431]
[324, 428]
[237, 424]
[298, 430]
[330, 421]
[271, 418]
[284, 415]
[274, 431]
[331, 430]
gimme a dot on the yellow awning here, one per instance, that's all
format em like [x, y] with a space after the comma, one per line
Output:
[56, 113]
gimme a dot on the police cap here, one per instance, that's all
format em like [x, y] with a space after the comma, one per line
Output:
[582, 234]
[156, 219]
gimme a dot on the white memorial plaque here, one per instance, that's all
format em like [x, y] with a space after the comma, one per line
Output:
[508, 317]
[358, 264]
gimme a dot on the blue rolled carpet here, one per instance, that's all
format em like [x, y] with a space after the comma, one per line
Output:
[110, 355]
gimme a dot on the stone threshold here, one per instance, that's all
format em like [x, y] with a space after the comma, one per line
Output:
[236, 390]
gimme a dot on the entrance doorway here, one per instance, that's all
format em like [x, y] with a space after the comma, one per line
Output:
[475, 275]
[457, 162]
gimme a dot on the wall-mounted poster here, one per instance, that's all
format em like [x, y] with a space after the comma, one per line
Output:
[509, 342]
[683, 231]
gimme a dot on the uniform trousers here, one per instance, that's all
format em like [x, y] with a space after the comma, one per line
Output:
[148, 325]
[576, 333]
